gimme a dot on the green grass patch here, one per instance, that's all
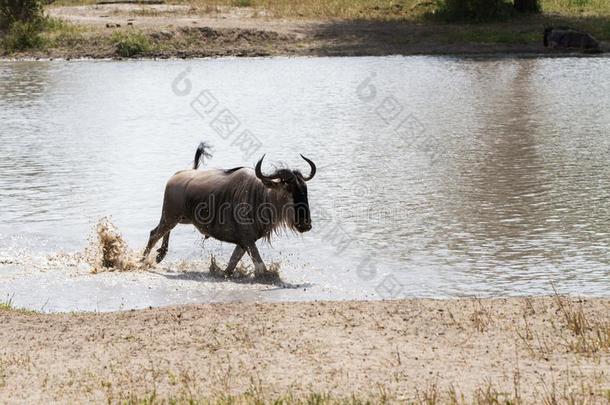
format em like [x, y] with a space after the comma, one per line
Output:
[6, 306]
[242, 3]
[131, 43]
[577, 7]
[61, 34]
[9, 306]
[22, 36]
[44, 34]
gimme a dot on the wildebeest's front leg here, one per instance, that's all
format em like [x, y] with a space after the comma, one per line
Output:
[259, 266]
[238, 253]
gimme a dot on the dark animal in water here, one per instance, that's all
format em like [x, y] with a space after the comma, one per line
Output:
[239, 206]
[570, 38]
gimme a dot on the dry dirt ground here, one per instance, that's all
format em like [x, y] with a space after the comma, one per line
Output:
[526, 350]
[183, 31]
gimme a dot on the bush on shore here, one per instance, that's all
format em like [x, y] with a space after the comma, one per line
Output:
[129, 44]
[23, 35]
[12, 11]
[22, 21]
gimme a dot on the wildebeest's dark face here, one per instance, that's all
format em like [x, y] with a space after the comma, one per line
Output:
[293, 183]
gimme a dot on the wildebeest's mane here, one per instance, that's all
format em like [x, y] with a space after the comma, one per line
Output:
[246, 189]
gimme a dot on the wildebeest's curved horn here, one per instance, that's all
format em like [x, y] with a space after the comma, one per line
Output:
[313, 169]
[259, 172]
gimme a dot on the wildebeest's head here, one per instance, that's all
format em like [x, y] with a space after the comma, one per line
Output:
[293, 183]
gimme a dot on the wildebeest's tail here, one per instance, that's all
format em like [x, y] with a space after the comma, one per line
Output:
[202, 150]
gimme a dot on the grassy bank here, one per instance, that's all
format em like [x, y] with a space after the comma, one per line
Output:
[368, 9]
[191, 28]
[64, 40]
[549, 350]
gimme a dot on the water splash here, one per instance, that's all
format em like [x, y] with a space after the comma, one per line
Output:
[244, 272]
[108, 251]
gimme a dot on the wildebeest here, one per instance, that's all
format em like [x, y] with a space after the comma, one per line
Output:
[238, 205]
[570, 38]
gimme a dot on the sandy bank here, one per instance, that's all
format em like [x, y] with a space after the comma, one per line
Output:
[526, 349]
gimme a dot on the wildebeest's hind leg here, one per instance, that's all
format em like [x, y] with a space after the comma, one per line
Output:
[161, 231]
[162, 251]
[260, 270]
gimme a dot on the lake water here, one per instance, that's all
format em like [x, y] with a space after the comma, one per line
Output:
[437, 176]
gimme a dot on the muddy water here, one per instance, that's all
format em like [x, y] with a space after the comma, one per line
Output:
[437, 177]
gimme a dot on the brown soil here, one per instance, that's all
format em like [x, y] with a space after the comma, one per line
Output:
[183, 31]
[525, 349]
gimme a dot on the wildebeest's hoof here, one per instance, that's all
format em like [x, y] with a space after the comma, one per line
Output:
[161, 254]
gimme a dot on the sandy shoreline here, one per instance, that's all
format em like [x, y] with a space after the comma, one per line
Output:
[526, 349]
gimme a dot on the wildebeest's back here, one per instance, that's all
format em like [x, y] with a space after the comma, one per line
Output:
[222, 203]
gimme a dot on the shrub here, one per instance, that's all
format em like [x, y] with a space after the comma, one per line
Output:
[19, 10]
[23, 35]
[473, 10]
[130, 44]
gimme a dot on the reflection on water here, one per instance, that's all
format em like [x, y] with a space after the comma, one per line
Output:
[517, 199]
